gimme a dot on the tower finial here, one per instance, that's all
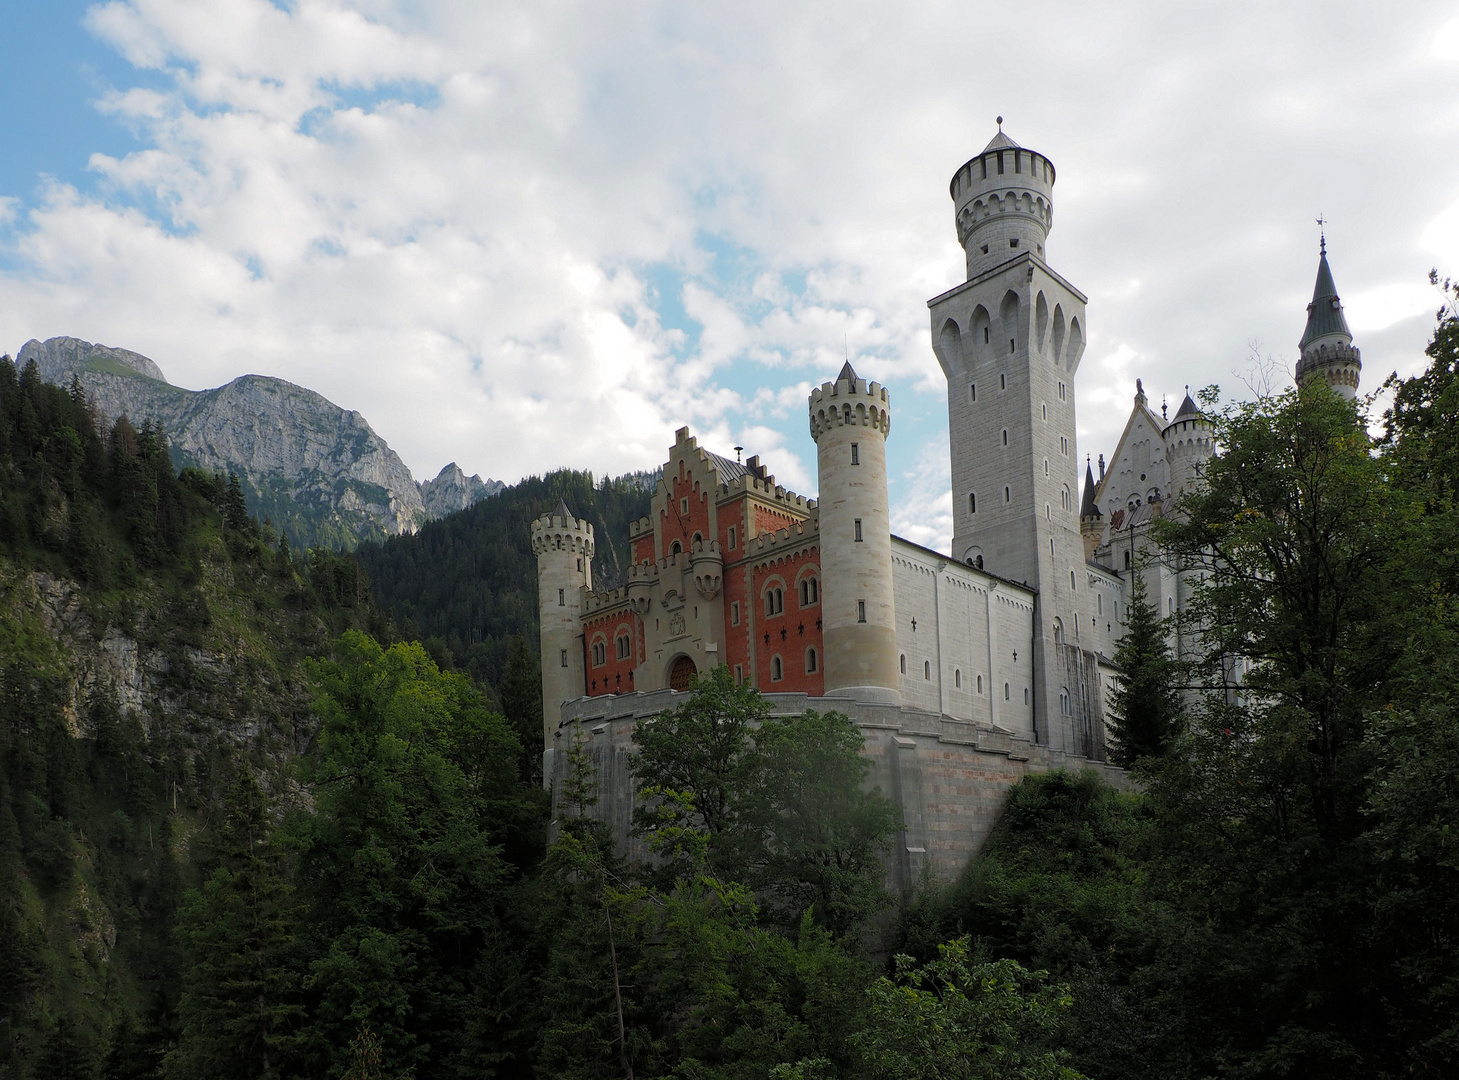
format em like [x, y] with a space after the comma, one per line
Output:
[1322, 231]
[1000, 123]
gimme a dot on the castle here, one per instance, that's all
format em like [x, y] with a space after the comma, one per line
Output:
[964, 670]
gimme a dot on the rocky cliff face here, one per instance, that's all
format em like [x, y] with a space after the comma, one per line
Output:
[317, 471]
[453, 490]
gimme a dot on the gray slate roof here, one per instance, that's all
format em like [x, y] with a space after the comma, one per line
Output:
[1324, 314]
[1001, 142]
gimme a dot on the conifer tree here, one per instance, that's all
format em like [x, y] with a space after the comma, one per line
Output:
[521, 695]
[1144, 704]
[239, 1004]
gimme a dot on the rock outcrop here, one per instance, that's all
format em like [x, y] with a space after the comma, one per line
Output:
[318, 472]
[453, 490]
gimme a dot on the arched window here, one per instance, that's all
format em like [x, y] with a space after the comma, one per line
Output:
[1058, 631]
[625, 646]
[697, 539]
[777, 669]
[1064, 701]
[810, 591]
[957, 678]
[927, 670]
[600, 654]
[774, 601]
[1005, 691]
[675, 548]
[904, 663]
[812, 662]
[980, 684]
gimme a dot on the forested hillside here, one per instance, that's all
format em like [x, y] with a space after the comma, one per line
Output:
[471, 579]
[246, 832]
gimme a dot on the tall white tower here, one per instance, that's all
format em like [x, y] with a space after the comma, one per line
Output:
[850, 419]
[1327, 344]
[564, 549]
[1009, 340]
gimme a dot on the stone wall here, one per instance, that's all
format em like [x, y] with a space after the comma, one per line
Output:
[950, 777]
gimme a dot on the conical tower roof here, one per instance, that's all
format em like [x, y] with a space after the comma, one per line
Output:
[847, 372]
[1088, 508]
[1001, 142]
[1188, 407]
[562, 511]
[1324, 314]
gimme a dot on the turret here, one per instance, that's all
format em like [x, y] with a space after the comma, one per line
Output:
[1327, 345]
[1002, 203]
[1189, 443]
[1091, 521]
[850, 419]
[564, 549]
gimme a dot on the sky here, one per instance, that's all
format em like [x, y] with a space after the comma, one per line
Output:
[523, 236]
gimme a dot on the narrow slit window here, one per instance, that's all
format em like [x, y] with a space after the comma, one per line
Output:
[561, 597]
[1005, 436]
[927, 670]
[973, 392]
[904, 663]
[1002, 382]
[861, 611]
[972, 503]
[856, 453]
[858, 530]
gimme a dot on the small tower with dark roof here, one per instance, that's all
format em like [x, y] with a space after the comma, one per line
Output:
[1327, 344]
[1091, 521]
[563, 545]
[1189, 443]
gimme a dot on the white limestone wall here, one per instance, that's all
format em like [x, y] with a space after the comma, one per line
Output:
[974, 635]
[1105, 610]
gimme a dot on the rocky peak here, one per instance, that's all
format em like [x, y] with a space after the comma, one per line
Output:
[58, 357]
[319, 472]
[453, 490]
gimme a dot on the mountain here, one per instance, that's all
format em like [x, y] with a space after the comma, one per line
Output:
[471, 579]
[453, 490]
[318, 472]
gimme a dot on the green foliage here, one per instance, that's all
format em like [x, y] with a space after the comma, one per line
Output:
[952, 1020]
[402, 866]
[776, 803]
[240, 1002]
[471, 578]
[1144, 705]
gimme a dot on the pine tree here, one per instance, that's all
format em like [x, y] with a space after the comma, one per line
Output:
[521, 694]
[239, 1002]
[1145, 703]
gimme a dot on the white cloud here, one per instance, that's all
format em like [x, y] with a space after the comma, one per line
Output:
[457, 217]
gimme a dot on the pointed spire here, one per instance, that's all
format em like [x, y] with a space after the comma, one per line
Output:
[562, 511]
[1087, 509]
[1188, 407]
[847, 372]
[1324, 314]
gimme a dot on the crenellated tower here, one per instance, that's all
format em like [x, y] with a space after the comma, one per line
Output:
[563, 545]
[1327, 344]
[1190, 440]
[1009, 340]
[850, 419]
